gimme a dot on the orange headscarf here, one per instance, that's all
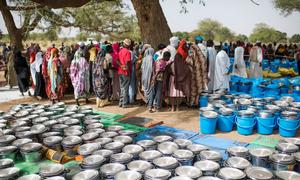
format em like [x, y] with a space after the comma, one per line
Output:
[181, 49]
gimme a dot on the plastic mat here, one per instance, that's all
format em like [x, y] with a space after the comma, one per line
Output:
[109, 116]
[265, 141]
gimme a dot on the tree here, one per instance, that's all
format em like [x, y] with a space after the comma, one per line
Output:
[241, 37]
[287, 7]
[266, 34]
[182, 35]
[223, 34]
[295, 38]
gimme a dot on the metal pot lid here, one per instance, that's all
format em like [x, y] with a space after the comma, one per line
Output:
[51, 170]
[297, 156]
[269, 99]
[226, 111]
[30, 177]
[72, 122]
[50, 123]
[63, 119]
[78, 116]
[112, 168]
[72, 108]
[22, 128]
[162, 138]
[132, 149]
[47, 134]
[24, 134]
[238, 162]
[121, 157]
[290, 115]
[55, 178]
[87, 149]
[72, 132]
[163, 162]
[167, 147]
[208, 178]
[287, 147]
[21, 113]
[52, 140]
[127, 132]
[157, 174]
[103, 141]
[9, 172]
[93, 116]
[86, 108]
[244, 101]
[7, 139]
[181, 178]
[60, 104]
[56, 117]
[98, 131]
[5, 163]
[95, 126]
[40, 107]
[273, 108]
[69, 113]
[90, 121]
[281, 103]
[59, 126]
[196, 148]
[282, 158]
[258, 173]
[128, 175]
[265, 114]
[189, 171]
[18, 124]
[288, 99]
[93, 160]
[7, 149]
[85, 112]
[246, 113]
[20, 142]
[123, 139]
[38, 128]
[183, 142]
[204, 109]
[89, 136]
[40, 120]
[3, 121]
[115, 128]
[30, 147]
[231, 173]
[103, 152]
[238, 151]
[287, 175]
[150, 154]
[86, 175]
[210, 114]
[114, 145]
[295, 104]
[261, 152]
[146, 143]
[7, 132]
[207, 165]
[210, 155]
[183, 154]
[109, 134]
[47, 114]
[71, 141]
[139, 166]
[73, 128]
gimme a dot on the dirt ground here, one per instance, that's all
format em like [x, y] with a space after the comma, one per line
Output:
[187, 119]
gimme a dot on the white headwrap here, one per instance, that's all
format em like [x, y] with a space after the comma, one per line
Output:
[174, 41]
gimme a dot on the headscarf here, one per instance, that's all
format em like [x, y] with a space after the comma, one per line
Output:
[174, 41]
[147, 67]
[115, 54]
[53, 70]
[181, 49]
[38, 61]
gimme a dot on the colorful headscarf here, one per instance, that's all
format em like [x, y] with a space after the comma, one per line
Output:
[181, 49]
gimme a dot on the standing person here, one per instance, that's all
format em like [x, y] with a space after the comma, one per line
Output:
[147, 69]
[32, 54]
[45, 72]
[11, 73]
[199, 41]
[65, 55]
[198, 68]
[124, 72]
[174, 41]
[39, 90]
[55, 74]
[157, 85]
[211, 56]
[297, 58]
[23, 72]
[80, 75]
[239, 66]
[115, 66]
[158, 55]
[256, 58]
[132, 85]
[222, 66]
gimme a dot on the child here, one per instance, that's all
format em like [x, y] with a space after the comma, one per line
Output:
[157, 82]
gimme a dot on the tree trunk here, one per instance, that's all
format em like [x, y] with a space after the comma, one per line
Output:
[152, 21]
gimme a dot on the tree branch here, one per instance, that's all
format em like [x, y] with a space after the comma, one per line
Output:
[24, 8]
[62, 3]
[254, 2]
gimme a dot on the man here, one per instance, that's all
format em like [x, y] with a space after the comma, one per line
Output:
[239, 66]
[211, 55]
[199, 41]
[222, 66]
[124, 71]
[256, 58]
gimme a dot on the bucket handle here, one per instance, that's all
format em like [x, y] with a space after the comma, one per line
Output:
[233, 119]
[272, 126]
[293, 129]
[246, 127]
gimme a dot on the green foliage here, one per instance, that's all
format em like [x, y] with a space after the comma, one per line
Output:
[266, 34]
[287, 6]
[82, 36]
[182, 35]
[241, 37]
[1, 34]
[223, 34]
[295, 38]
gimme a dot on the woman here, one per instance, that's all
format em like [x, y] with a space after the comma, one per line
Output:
[55, 74]
[101, 76]
[39, 90]
[115, 79]
[64, 57]
[45, 72]
[80, 75]
[23, 72]
[11, 73]
[147, 68]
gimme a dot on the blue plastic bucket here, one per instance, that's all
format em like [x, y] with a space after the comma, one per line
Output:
[245, 125]
[203, 101]
[225, 123]
[284, 90]
[265, 125]
[208, 125]
[288, 128]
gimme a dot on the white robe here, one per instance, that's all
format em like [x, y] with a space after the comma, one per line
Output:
[203, 49]
[211, 56]
[35, 66]
[172, 51]
[255, 67]
[222, 66]
[239, 66]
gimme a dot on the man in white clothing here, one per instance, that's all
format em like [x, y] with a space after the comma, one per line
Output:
[256, 58]
[211, 57]
[222, 78]
[199, 41]
[239, 66]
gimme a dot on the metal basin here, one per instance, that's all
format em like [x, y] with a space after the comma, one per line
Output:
[167, 148]
[139, 166]
[128, 175]
[188, 171]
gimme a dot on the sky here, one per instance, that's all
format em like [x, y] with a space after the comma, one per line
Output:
[239, 15]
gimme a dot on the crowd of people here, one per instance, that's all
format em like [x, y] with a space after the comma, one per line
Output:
[177, 72]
